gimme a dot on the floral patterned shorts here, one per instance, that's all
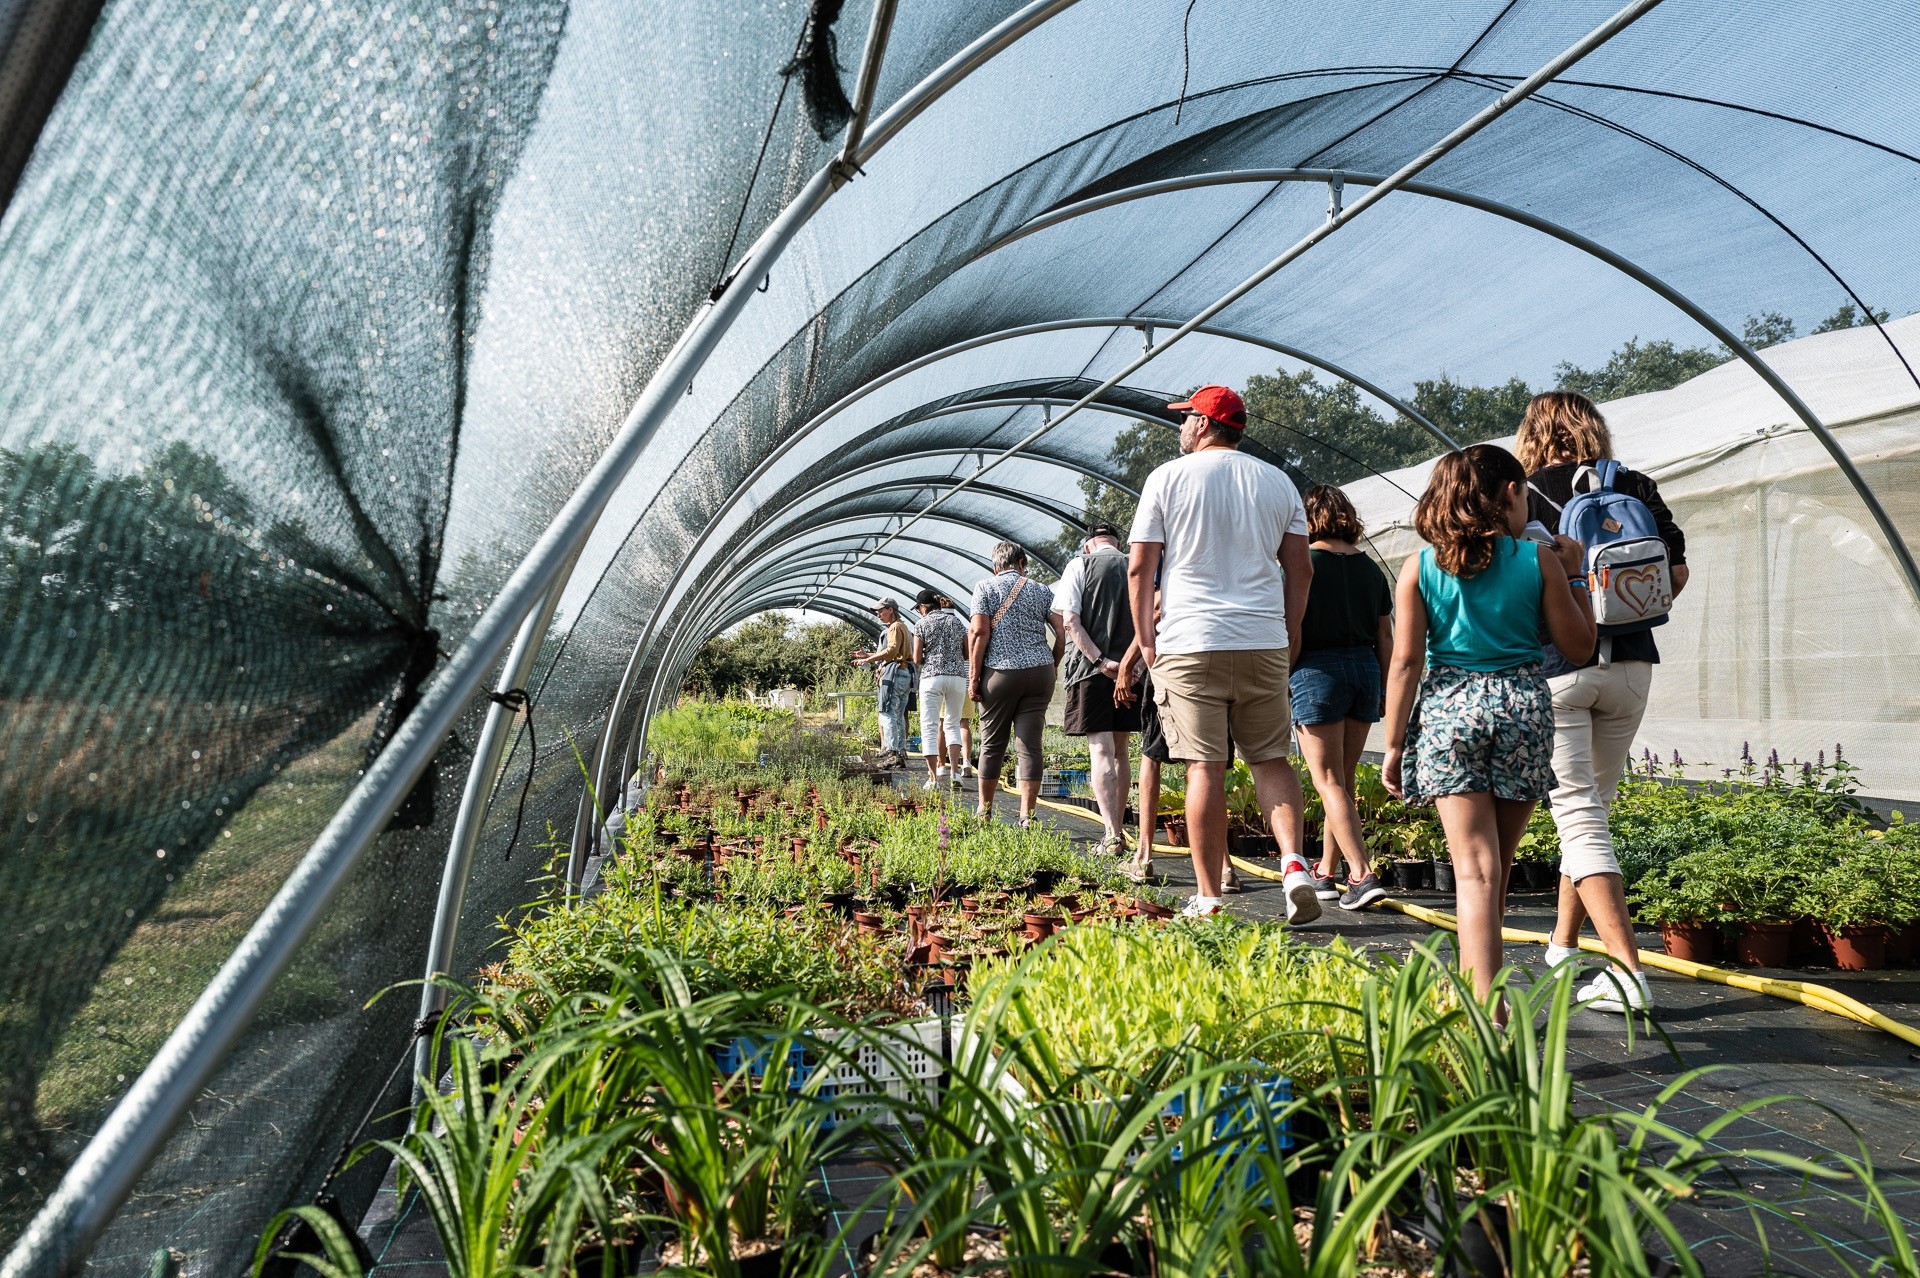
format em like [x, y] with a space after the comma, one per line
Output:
[1484, 734]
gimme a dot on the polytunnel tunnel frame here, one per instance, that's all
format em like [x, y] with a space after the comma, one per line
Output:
[570, 522]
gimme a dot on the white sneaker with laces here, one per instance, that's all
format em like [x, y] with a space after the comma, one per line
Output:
[934, 780]
[1558, 954]
[1613, 991]
[1303, 897]
[1199, 907]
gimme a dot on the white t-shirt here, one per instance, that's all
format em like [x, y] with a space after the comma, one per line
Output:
[1073, 581]
[1220, 515]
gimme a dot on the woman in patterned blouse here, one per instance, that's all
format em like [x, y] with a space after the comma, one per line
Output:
[940, 650]
[1011, 665]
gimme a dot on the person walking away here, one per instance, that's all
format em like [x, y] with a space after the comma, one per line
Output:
[1597, 704]
[1011, 668]
[1094, 613]
[894, 658]
[1338, 685]
[1153, 755]
[940, 650]
[1225, 535]
[1472, 606]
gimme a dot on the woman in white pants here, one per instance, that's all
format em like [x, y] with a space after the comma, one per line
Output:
[940, 650]
[1597, 707]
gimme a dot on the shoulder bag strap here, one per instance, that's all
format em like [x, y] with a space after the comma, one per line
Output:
[1019, 584]
[1535, 490]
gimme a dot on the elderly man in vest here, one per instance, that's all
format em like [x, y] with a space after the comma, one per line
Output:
[895, 659]
[1097, 619]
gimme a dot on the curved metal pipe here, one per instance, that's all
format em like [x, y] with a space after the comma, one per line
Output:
[63, 1232]
[482, 775]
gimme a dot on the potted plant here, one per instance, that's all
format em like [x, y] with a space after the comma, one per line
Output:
[1684, 907]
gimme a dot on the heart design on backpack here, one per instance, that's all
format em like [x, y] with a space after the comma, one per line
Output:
[1639, 587]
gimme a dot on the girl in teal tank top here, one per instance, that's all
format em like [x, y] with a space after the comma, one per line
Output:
[1474, 608]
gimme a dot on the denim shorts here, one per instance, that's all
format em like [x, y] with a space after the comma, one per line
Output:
[1335, 684]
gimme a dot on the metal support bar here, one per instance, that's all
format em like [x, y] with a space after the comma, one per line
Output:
[865, 87]
[61, 1235]
[1439, 150]
[467, 822]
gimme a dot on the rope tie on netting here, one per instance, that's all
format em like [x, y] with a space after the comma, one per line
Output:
[516, 701]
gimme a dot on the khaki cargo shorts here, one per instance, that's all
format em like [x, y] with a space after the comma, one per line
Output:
[1203, 696]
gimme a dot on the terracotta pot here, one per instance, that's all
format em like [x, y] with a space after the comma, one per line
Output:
[819, 818]
[969, 906]
[1861, 948]
[938, 947]
[917, 922]
[1809, 944]
[1069, 902]
[1040, 926]
[1693, 942]
[1176, 828]
[1902, 943]
[870, 924]
[1151, 909]
[1765, 945]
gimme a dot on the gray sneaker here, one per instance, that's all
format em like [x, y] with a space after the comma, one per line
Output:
[1360, 895]
[1324, 885]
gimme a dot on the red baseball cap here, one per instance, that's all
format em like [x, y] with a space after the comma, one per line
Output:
[1221, 403]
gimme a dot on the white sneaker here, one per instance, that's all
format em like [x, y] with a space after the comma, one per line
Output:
[1199, 907]
[1611, 991]
[933, 781]
[1558, 954]
[1303, 898]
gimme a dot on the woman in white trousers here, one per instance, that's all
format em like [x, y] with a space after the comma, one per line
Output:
[1597, 707]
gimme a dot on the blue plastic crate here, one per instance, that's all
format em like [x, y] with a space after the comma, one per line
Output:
[755, 1054]
[1277, 1094]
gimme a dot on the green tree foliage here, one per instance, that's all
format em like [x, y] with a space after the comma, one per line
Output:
[1639, 368]
[772, 651]
[1327, 430]
[1472, 414]
[1135, 452]
[1848, 316]
[1769, 328]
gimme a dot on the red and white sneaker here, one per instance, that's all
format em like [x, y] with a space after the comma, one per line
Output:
[1199, 907]
[1303, 896]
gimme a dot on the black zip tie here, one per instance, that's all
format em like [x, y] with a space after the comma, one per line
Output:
[517, 700]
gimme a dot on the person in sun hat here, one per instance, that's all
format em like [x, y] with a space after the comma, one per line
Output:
[940, 650]
[894, 657]
[1225, 535]
[1091, 608]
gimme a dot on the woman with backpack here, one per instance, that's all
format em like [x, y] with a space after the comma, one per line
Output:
[1598, 702]
[1471, 608]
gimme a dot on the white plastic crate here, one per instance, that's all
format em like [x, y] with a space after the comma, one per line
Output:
[909, 1064]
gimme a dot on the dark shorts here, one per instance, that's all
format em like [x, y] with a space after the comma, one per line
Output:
[1153, 742]
[1090, 708]
[1336, 684]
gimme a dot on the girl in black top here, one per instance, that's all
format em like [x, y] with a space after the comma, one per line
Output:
[1346, 636]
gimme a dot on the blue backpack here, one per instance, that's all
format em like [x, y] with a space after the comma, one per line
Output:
[1627, 568]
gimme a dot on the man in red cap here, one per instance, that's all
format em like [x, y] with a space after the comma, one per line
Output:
[1225, 534]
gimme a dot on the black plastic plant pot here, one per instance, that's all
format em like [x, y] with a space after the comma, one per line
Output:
[1045, 880]
[1443, 876]
[841, 902]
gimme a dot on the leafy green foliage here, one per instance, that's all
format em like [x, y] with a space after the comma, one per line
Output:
[1849, 316]
[1472, 414]
[773, 651]
[1240, 990]
[1639, 368]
